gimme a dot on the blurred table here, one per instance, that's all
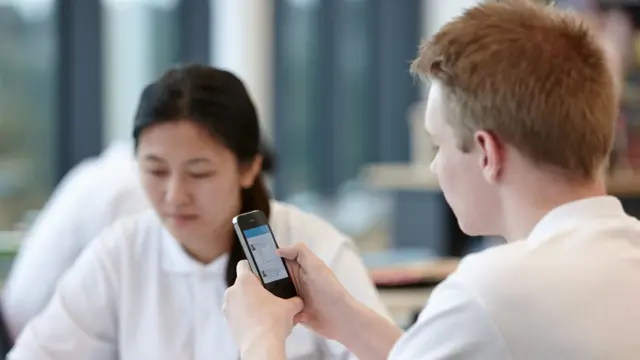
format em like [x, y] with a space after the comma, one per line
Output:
[405, 286]
[402, 176]
[405, 304]
[421, 216]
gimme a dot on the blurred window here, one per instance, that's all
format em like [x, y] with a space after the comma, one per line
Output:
[27, 107]
[141, 40]
[343, 93]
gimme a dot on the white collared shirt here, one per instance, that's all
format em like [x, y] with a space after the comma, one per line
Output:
[571, 291]
[94, 194]
[134, 294]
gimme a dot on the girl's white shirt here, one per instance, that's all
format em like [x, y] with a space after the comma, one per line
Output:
[134, 294]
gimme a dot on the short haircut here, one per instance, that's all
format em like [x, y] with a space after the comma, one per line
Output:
[533, 75]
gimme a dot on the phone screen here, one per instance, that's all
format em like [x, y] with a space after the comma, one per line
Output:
[263, 248]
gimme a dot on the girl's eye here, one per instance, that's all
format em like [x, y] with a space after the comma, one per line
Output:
[158, 172]
[201, 175]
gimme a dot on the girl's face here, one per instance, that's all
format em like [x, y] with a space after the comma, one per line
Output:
[192, 180]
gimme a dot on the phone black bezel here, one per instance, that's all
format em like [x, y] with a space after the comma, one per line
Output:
[283, 288]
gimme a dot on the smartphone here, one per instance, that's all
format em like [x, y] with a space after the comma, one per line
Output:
[259, 245]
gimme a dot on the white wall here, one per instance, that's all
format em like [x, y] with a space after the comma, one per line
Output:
[129, 62]
[436, 13]
[127, 58]
[242, 42]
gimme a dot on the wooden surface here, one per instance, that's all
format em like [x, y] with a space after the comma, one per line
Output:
[433, 271]
[414, 177]
[400, 177]
[624, 185]
[404, 304]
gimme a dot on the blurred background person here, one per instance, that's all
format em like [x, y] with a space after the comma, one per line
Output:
[93, 195]
[151, 286]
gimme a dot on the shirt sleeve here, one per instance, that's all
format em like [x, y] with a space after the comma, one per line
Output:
[354, 276]
[80, 321]
[453, 325]
[79, 210]
[49, 249]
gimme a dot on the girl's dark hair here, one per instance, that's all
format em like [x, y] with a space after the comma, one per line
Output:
[218, 101]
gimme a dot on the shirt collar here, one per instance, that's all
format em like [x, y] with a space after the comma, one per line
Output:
[175, 259]
[575, 214]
